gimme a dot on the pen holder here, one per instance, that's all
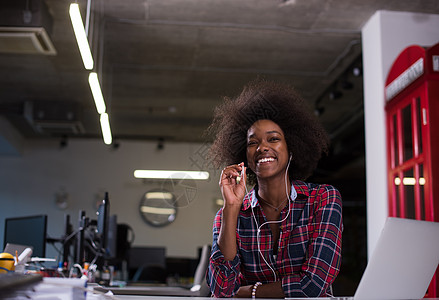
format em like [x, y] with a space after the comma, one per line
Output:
[7, 261]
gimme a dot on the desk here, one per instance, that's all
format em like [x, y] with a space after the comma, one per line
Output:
[66, 289]
[155, 291]
[132, 297]
[121, 297]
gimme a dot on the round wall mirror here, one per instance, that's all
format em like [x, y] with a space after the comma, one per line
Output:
[157, 207]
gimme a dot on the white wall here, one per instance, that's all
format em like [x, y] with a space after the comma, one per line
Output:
[85, 169]
[384, 36]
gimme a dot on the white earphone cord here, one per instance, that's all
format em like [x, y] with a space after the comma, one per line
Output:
[271, 222]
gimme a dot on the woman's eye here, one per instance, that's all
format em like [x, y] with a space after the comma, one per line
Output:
[274, 139]
[251, 143]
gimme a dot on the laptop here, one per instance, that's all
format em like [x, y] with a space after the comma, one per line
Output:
[403, 262]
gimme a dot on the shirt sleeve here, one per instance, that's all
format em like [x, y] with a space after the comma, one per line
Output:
[322, 264]
[223, 277]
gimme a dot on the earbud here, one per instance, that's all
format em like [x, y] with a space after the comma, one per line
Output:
[240, 176]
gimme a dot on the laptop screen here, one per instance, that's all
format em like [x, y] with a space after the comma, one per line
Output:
[403, 262]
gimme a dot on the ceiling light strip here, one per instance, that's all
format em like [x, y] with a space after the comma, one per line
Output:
[159, 195]
[97, 92]
[87, 58]
[100, 107]
[106, 130]
[157, 210]
[81, 37]
[162, 174]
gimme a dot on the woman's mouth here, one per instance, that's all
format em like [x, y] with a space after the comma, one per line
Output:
[265, 160]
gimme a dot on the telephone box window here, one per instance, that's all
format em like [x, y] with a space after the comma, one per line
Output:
[421, 191]
[407, 132]
[409, 194]
[397, 200]
[395, 141]
[419, 122]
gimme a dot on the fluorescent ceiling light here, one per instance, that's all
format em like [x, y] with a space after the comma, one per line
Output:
[105, 127]
[160, 174]
[219, 202]
[159, 195]
[157, 210]
[97, 93]
[81, 38]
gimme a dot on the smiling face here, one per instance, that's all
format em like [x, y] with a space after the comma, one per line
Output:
[267, 151]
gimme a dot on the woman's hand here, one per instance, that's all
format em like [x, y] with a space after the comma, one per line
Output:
[266, 290]
[244, 292]
[233, 190]
[233, 195]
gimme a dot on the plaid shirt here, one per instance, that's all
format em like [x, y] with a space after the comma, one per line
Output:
[309, 250]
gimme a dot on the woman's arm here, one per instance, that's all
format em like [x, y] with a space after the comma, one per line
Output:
[324, 250]
[233, 195]
[223, 273]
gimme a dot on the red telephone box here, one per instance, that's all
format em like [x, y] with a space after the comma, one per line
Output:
[412, 121]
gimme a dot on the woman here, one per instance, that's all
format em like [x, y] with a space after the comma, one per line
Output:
[283, 238]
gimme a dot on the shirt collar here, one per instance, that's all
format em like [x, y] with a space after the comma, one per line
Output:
[301, 188]
[298, 188]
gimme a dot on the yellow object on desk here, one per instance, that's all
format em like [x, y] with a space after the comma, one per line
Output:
[7, 262]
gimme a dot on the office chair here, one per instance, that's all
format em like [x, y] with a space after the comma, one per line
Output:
[200, 283]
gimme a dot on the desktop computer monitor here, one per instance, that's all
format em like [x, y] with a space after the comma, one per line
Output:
[27, 231]
[102, 222]
[107, 228]
[112, 237]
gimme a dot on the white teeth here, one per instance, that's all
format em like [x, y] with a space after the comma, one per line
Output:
[267, 159]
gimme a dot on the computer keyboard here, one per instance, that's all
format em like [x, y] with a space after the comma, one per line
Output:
[13, 281]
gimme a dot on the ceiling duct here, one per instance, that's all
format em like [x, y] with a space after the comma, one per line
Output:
[54, 117]
[25, 41]
[25, 27]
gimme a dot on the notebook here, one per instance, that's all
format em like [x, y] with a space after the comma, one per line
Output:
[403, 262]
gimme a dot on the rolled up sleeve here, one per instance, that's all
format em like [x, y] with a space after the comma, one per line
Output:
[223, 277]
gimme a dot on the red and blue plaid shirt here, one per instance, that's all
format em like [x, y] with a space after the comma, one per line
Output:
[309, 249]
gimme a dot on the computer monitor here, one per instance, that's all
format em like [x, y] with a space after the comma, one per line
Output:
[103, 219]
[111, 250]
[147, 264]
[67, 239]
[28, 231]
[107, 228]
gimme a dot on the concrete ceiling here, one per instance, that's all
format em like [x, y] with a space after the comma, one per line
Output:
[165, 64]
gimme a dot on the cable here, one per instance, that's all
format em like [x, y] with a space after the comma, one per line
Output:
[271, 222]
[76, 266]
[72, 235]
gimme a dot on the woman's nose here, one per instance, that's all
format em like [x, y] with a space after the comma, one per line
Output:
[262, 147]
